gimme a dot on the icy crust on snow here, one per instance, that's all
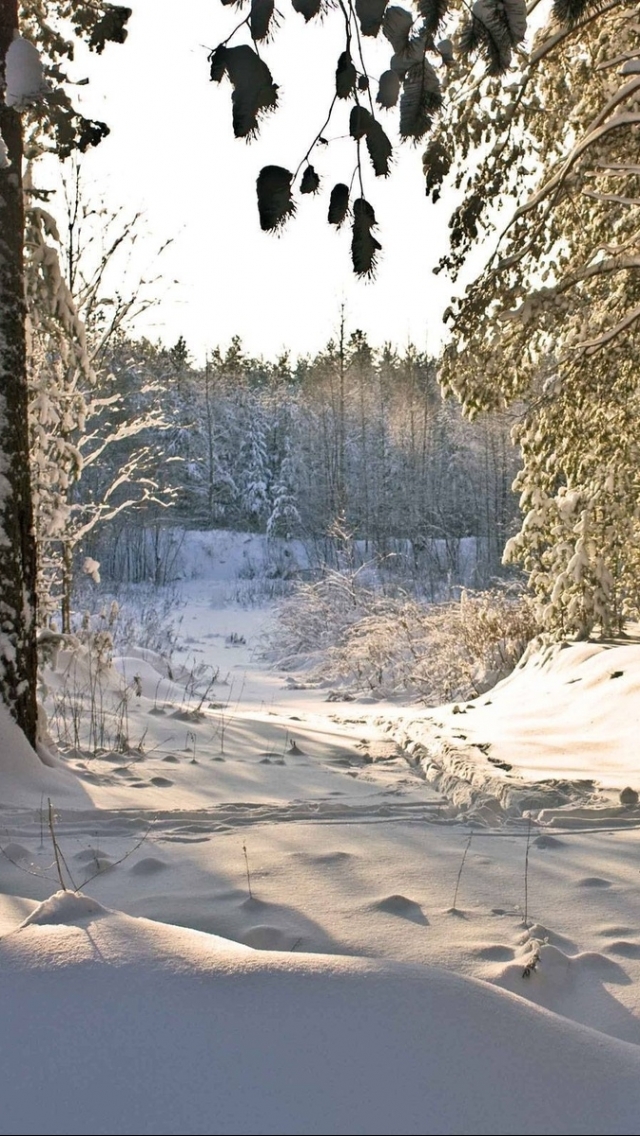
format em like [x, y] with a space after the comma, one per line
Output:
[545, 741]
[222, 1039]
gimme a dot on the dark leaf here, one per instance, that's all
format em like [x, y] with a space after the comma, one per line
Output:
[260, 18]
[379, 147]
[218, 63]
[471, 36]
[421, 98]
[253, 88]
[570, 11]
[275, 203]
[307, 8]
[310, 182]
[111, 27]
[515, 12]
[364, 246]
[433, 13]
[396, 26]
[370, 13]
[411, 54]
[338, 204]
[495, 28]
[436, 163]
[388, 89]
[346, 76]
[363, 83]
[359, 121]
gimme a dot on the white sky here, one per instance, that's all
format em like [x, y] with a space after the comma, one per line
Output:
[172, 153]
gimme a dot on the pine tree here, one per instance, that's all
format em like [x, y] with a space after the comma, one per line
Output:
[254, 483]
[285, 520]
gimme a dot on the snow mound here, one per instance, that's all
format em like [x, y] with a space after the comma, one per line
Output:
[25, 779]
[169, 1030]
[65, 907]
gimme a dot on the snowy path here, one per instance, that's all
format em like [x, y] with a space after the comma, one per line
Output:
[283, 820]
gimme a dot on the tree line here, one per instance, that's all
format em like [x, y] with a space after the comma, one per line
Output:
[354, 437]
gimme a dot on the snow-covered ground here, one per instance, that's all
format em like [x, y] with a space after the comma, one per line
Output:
[382, 919]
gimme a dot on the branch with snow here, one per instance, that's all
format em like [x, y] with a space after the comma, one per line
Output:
[24, 76]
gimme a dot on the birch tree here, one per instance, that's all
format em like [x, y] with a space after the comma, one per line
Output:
[35, 112]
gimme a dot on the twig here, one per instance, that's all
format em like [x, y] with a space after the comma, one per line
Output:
[246, 860]
[56, 850]
[526, 876]
[464, 856]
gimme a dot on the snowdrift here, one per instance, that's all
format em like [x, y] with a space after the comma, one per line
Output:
[120, 1025]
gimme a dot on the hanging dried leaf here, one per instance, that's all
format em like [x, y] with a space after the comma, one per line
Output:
[570, 11]
[370, 14]
[475, 36]
[433, 13]
[436, 163]
[275, 203]
[471, 36]
[364, 245]
[421, 99]
[396, 26]
[445, 47]
[310, 182]
[253, 88]
[388, 89]
[495, 28]
[218, 64]
[379, 147]
[338, 204]
[515, 12]
[359, 121]
[413, 52]
[307, 8]
[346, 76]
[260, 18]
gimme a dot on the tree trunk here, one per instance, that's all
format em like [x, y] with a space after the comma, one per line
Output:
[18, 660]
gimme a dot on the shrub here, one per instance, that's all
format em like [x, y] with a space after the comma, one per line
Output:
[393, 645]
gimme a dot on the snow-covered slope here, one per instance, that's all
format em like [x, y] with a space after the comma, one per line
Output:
[564, 724]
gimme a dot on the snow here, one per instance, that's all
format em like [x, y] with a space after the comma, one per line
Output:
[568, 713]
[301, 913]
[168, 1031]
[24, 76]
[91, 568]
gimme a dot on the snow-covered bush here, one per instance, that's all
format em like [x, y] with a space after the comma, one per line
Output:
[348, 633]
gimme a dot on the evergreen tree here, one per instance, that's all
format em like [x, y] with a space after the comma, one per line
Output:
[285, 519]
